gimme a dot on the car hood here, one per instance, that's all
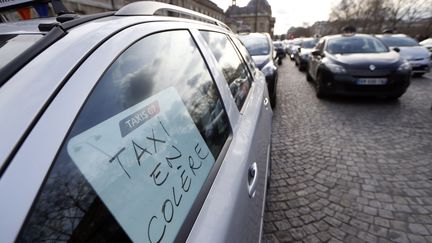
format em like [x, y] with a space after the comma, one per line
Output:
[362, 60]
[261, 61]
[413, 52]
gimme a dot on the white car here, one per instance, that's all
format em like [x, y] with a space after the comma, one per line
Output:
[417, 55]
[427, 43]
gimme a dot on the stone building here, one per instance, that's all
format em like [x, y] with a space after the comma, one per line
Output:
[254, 17]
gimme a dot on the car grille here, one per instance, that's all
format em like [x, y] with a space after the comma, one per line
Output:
[421, 68]
[370, 74]
[416, 59]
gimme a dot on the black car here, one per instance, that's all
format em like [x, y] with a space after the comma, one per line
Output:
[261, 49]
[301, 57]
[280, 50]
[357, 64]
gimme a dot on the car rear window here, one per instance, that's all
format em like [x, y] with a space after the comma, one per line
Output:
[309, 43]
[137, 161]
[399, 41]
[12, 46]
[355, 44]
[257, 45]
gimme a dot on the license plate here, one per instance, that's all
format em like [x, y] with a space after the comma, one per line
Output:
[371, 81]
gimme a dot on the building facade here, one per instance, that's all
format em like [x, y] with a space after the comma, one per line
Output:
[254, 17]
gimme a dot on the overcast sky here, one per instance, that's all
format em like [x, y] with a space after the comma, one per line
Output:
[291, 12]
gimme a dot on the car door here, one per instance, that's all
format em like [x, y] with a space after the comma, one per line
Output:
[238, 193]
[151, 117]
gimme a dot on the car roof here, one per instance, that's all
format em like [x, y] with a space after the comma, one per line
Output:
[35, 85]
[391, 35]
[349, 35]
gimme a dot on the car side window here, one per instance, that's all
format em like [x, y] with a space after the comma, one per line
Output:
[233, 68]
[245, 54]
[139, 151]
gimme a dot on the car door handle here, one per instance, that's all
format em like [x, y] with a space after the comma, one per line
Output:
[252, 179]
[266, 102]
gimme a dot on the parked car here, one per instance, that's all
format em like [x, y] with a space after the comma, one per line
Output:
[418, 56]
[357, 64]
[294, 48]
[301, 58]
[280, 50]
[427, 43]
[264, 55]
[129, 126]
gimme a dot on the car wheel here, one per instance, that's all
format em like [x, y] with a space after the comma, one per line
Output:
[273, 98]
[308, 76]
[320, 92]
[269, 171]
[417, 75]
[279, 61]
[394, 97]
[295, 61]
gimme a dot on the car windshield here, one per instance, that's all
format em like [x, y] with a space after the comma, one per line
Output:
[13, 45]
[296, 42]
[399, 41]
[256, 45]
[355, 44]
[309, 43]
[278, 45]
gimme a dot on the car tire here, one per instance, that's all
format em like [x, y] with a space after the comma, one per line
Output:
[417, 75]
[269, 171]
[308, 76]
[295, 61]
[279, 62]
[320, 92]
[394, 97]
[273, 98]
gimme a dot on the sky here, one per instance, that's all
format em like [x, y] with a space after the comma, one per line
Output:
[291, 12]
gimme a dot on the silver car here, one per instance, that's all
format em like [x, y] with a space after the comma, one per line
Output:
[428, 44]
[131, 126]
[417, 55]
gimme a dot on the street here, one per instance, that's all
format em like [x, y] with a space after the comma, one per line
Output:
[349, 169]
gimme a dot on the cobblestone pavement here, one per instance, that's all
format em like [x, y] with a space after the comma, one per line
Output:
[350, 169]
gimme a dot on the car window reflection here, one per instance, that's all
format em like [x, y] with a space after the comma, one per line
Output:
[233, 69]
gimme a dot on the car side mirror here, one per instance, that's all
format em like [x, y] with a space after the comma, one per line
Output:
[299, 49]
[316, 53]
[396, 49]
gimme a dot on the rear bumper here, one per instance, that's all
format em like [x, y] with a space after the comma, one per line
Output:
[345, 84]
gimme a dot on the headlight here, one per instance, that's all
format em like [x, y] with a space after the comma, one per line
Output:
[405, 66]
[334, 68]
[268, 69]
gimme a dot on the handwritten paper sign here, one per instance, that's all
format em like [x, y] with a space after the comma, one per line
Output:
[147, 164]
